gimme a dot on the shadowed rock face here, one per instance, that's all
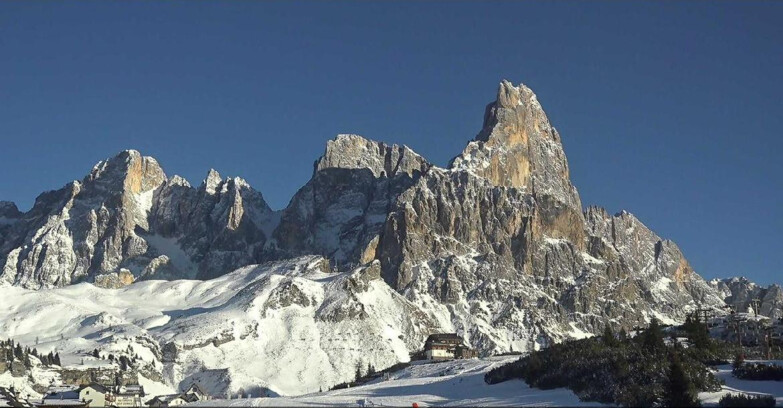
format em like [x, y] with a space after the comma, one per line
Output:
[496, 246]
[341, 211]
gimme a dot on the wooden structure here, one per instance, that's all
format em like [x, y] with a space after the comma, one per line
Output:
[447, 346]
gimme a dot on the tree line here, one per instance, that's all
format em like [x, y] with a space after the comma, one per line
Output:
[13, 352]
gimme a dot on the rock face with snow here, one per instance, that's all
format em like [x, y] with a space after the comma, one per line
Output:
[126, 215]
[341, 211]
[740, 294]
[496, 246]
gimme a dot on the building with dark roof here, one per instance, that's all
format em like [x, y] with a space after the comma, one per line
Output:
[447, 346]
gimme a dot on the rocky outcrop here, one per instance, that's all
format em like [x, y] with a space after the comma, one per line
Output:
[127, 215]
[746, 296]
[86, 228]
[341, 211]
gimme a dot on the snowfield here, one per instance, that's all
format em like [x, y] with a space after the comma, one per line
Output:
[282, 328]
[452, 383]
[736, 386]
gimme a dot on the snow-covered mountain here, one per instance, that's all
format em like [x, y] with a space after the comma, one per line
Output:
[496, 246]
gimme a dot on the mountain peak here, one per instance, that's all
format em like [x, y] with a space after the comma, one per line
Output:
[8, 209]
[137, 173]
[518, 147]
[212, 181]
[348, 151]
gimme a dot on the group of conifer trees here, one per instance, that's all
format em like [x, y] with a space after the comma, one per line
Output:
[640, 370]
[13, 352]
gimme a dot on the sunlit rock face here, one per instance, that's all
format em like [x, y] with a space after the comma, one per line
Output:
[496, 245]
[125, 215]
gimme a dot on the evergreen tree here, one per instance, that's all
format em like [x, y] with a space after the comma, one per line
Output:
[18, 352]
[27, 362]
[652, 338]
[739, 360]
[57, 359]
[358, 371]
[697, 332]
[678, 390]
[608, 337]
[96, 354]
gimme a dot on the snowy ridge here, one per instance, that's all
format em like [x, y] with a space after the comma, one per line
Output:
[271, 314]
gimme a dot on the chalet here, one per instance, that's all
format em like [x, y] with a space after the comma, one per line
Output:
[171, 400]
[62, 397]
[447, 346]
[192, 394]
[90, 395]
[126, 396]
[94, 393]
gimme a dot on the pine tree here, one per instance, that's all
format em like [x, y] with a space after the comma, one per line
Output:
[678, 390]
[57, 359]
[358, 371]
[739, 360]
[608, 337]
[96, 354]
[653, 337]
[27, 362]
[18, 352]
[697, 332]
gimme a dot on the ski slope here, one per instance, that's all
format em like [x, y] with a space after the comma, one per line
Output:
[735, 385]
[451, 383]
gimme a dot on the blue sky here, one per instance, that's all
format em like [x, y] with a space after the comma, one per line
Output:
[672, 111]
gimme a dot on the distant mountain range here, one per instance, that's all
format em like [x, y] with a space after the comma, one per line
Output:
[379, 249]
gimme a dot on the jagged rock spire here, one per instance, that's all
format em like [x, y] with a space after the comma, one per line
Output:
[518, 147]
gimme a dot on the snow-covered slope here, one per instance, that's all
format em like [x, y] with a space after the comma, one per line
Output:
[453, 383]
[290, 327]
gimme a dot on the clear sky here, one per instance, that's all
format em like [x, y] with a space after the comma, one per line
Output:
[672, 111]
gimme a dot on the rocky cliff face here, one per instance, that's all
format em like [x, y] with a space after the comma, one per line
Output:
[740, 294]
[496, 246]
[341, 211]
[126, 220]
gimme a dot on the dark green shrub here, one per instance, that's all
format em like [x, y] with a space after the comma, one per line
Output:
[742, 400]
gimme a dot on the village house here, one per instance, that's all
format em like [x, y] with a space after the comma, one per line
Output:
[93, 395]
[447, 346]
[192, 394]
[63, 397]
[123, 396]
